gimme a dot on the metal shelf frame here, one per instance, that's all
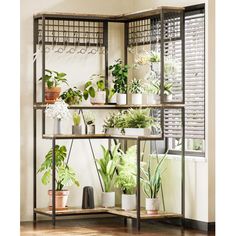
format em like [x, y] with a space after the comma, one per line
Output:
[43, 39]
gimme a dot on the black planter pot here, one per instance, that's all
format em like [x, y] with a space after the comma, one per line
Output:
[88, 198]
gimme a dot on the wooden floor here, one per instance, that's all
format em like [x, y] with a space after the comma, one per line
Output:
[105, 227]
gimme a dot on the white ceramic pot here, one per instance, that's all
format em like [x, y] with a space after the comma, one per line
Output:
[152, 205]
[113, 99]
[136, 98]
[89, 129]
[121, 99]
[61, 198]
[137, 131]
[128, 202]
[167, 98]
[108, 199]
[152, 99]
[100, 98]
[113, 131]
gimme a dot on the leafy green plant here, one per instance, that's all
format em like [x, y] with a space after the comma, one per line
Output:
[139, 118]
[127, 169]
[89, 118]
[168, 88]
[154, 57]
[72, 96]
[152, 180]
[53, 78]
[120, 72]
[107, 166]
[136, 86]
[65, 175]
[76, 118]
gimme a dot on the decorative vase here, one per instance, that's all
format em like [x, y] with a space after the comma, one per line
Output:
[52, 94]
[88, 198]
[121, 98]
[61, 198]
[136, 98]
[76, 129]
[57, 126]
[89, 129]
[108, 199]
[152, 205]
[99, 99]
[128, 202]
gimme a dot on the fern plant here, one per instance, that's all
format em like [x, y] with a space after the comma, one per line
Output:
[107, 166]
[65, 175]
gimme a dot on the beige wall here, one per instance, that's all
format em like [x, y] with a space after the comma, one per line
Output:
[199, 175]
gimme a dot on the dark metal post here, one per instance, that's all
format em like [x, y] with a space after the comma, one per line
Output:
[138, 185]
[105, 42]
[183, 166]
[126, 39]
[53, 181]
[182, 31]
[43, 73]
[162, 57]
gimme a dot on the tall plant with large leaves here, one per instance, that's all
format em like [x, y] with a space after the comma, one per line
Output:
[152, 180]
[107, 166]
[65, 175]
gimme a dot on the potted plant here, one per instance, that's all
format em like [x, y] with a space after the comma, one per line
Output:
[57, 111]
[136, 90]
[72, 96]
[65, 176]
[76, 128]
[120, 72]
[53, 79]
[126, 178]
[95, 88]
[151, 184]
[168, 91]
[89, 120]
[139, 122]
[107, 167]
[152, 90]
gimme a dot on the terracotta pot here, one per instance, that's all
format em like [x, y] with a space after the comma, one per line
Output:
[61, 198]
[52, 94]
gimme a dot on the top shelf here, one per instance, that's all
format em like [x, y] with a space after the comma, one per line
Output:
[110, 106]
[112, 18]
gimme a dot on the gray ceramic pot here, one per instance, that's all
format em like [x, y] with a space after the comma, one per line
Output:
[76, 129]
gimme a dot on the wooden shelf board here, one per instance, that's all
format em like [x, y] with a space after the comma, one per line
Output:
[110, 106]
[115, 211]
[100, 136]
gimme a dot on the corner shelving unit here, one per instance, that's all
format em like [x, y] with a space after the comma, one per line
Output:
[153, 27]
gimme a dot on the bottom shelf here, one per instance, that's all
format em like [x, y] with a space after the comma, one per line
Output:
[100, 210]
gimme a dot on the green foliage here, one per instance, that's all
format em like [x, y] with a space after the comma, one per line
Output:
[152, 181]
[66, 176]
[72, 96]
[76, 118]
[120, 72]
[115, 120]
[139, 118]
[136, 86]
[168, 88]
[107, 166]
[127, 169]
[154, 57]
[53, 78]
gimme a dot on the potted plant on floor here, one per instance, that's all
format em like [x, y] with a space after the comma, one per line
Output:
[76, 128]
[107, 167]
[126, 179]
[120, 72]
[53, 79]
[57, 111]
[89, 120]
[65, 176]
[139, 122]
[95, 88]
[72, 96]
[136, 90]
[151, 184]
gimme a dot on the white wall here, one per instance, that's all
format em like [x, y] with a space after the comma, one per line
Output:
[199, 175]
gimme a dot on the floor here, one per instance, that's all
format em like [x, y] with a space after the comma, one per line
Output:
[105, 227]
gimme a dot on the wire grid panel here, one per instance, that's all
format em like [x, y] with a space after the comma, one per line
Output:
[71, 32]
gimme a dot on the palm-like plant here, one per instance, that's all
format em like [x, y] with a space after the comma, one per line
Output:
[152, 181]
[136, 86]
[107, 166]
